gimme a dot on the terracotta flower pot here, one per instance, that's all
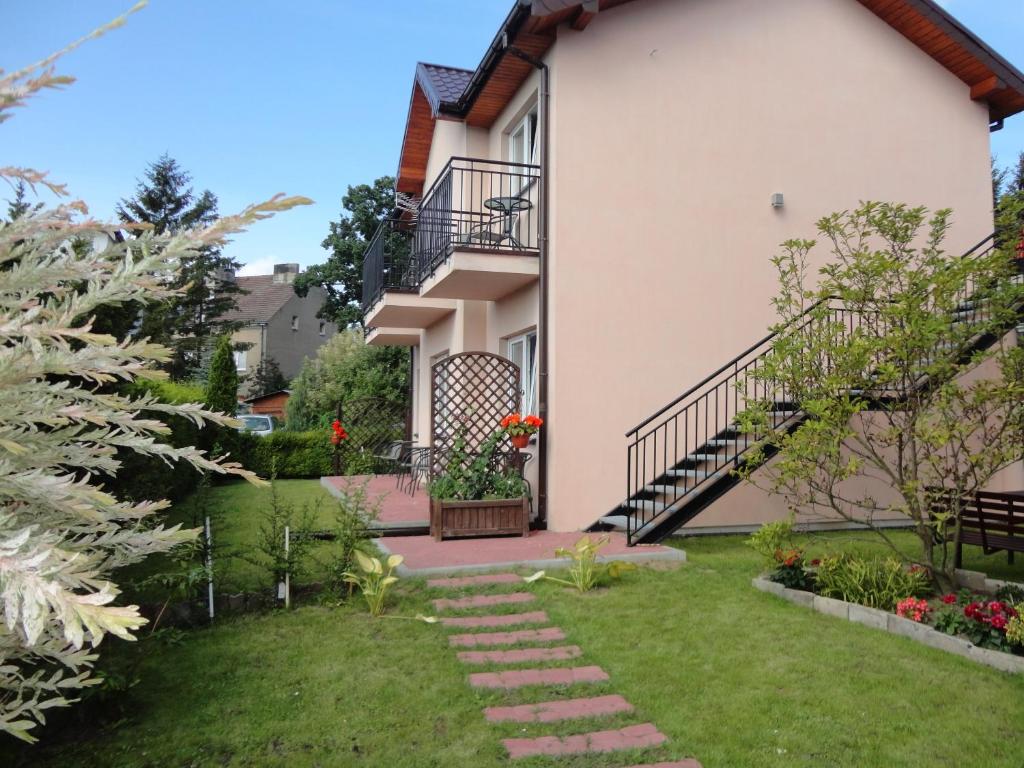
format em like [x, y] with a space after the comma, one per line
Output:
[519, 441]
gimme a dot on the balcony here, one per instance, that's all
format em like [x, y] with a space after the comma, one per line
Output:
[391, 300]
[476, 233]
[474, 236]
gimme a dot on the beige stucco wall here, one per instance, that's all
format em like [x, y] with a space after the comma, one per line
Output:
[673, 121]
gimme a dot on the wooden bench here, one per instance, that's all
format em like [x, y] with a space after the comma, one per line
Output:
[993, 521]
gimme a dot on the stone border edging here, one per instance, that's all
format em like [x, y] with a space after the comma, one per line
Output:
[893, 624]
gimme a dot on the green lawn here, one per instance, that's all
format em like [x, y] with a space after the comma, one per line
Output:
[733, 676]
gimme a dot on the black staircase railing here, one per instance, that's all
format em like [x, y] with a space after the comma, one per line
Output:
[696, 440]
[689, 447]
[477, 205]
[388, 264]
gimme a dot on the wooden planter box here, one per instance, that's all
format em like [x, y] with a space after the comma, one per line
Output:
[493, 517]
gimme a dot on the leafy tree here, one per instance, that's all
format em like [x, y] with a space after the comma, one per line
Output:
[62, 534]
[890, 383]
[165, 201]
[341, 276]
[346, 369]
[222, 386]
[267, 378]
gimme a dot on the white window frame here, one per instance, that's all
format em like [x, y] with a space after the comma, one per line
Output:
[527, 129]
[295, 322]
[323, 327]
[240, 360]
[527, 344]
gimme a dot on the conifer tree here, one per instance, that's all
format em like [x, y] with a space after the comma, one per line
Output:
[222, 386]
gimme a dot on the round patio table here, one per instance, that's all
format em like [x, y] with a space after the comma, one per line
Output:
[504, 206]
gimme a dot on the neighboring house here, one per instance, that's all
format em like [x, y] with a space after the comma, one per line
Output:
[271, 404]
[634, 166]
[276, 323]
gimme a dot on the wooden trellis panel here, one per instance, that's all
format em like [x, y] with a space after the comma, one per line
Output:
[372, 424]
[474, 389]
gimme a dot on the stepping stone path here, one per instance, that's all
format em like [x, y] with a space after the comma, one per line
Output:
[542, 649]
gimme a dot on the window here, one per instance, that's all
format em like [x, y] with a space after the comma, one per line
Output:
[240, 361]
[323, 328]
[522, 350]
[295, 322]
[522, 140]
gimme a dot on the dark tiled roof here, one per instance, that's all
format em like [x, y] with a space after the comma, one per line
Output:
[263, 300]
[442, 85]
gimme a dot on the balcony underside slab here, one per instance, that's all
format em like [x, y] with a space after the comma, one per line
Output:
[481, 276]
[407, 311]
[393, 337]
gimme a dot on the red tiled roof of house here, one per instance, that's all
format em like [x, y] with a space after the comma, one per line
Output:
[263, 300]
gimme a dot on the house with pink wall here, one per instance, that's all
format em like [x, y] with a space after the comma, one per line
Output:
[598, 201]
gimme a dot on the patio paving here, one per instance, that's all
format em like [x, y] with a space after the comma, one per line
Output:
[425, 556]
[397, 508]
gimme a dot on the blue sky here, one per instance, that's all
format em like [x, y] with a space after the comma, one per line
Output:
[255, 97]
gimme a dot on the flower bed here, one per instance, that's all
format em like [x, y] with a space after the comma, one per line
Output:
[976, 626]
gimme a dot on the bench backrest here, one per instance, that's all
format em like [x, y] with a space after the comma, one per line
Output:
[1000, 514]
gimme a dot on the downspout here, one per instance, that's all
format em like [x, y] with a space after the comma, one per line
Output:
[544, 100]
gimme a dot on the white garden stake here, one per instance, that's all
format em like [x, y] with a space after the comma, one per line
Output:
[209, 566]
[287, 572]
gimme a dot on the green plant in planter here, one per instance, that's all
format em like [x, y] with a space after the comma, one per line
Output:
[585, 571]
[375, 580]
[1015, 627]
[473, 477]
[876, 583]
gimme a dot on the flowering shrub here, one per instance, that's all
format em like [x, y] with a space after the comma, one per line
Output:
[338, 432]
[515, 425]
[790, 571]
[915, 609]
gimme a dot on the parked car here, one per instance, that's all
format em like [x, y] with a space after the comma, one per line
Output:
[257, 424]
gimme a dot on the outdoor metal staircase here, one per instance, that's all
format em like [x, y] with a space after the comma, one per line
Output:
[686, 455]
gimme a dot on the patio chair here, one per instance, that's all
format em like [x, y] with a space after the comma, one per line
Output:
[420, 468]
[392, 455]
[495, 231]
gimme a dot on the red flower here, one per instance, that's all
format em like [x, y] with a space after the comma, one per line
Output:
[912, 608]
[949, 599]
[998, 621]
[339, 431]
[816, 561]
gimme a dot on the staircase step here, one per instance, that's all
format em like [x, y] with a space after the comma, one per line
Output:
[711, 457]
[632, 737]
[472, 640]
[563, 709]
[724, 443]
[508, 620]
[659, 488]
[646, 506]
[517, 678]
[482, 601]
[519, 655]
[476, 581]
[688, 473]
[619, 522]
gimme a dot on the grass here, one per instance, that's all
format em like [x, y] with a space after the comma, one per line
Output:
[731, 675]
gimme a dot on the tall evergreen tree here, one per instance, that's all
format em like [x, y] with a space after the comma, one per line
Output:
[267, 378]
[19, 205]
[165, 200]
[222, 387]
[341, 276]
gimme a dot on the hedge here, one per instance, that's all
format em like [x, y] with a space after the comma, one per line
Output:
[297, 454]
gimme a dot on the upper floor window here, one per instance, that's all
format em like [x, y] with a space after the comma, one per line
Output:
[522, 140]
[323, 328]
[240, 360]
[295, 322]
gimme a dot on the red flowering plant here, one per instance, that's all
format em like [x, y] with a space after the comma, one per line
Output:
[980, 619]
[515, 425]
[338, 433]
[913, 608]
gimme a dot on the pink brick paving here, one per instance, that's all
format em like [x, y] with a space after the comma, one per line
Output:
[482, 601]
[508, 620]
[519, 655]
[631, 737]
[517, 678]
[474, 581]
[563, 709]
[546, 635]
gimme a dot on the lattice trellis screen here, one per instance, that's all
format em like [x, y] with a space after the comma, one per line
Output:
[475, 389]
[372, 423]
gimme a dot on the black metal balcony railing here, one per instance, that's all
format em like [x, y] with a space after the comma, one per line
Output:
[388, 264]
[476, 205]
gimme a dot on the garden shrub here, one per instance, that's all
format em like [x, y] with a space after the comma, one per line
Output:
[292, 454]
[876, 583]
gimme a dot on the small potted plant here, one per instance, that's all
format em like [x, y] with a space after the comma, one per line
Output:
[519, 429]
